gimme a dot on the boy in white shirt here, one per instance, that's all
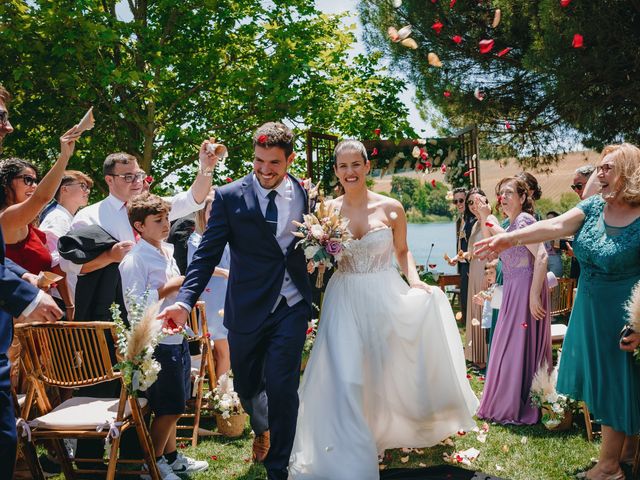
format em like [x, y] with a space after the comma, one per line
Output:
[150, 267]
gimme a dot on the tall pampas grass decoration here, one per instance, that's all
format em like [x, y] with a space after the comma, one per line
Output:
[632, 308]
[144, 333]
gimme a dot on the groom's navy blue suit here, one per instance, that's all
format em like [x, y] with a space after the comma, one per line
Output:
[266, 333]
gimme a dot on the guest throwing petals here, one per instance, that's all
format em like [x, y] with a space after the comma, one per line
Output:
[595, 367]
[522, 340]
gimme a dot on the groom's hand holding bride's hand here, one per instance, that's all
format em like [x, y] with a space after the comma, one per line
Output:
[173, 319]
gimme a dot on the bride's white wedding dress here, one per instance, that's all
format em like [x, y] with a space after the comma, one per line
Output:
[387, 369]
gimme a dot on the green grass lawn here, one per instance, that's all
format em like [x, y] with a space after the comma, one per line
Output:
[519, 453]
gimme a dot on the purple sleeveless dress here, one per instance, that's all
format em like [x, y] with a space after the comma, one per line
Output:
[520, 342]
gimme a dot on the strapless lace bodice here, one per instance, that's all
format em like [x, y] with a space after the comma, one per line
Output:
[371, 253]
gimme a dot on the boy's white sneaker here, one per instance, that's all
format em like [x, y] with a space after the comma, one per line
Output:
[166, 472]
[186, 465]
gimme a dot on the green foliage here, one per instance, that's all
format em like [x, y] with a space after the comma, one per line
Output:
[421, 200]
[567, 201]
[179, 72]
[553, 96]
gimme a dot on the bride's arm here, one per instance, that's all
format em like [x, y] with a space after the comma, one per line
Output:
[403, 255]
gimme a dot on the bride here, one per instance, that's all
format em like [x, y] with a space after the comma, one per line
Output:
[387, 369]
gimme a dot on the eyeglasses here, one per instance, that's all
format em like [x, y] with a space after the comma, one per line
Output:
[506, 194]
[577, 187]
[605, 167]
[27, 179]
[130, 177]
[456, 201]
[83, 186]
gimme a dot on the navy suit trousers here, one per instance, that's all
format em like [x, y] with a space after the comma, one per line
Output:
[8, 437]
[266, 368]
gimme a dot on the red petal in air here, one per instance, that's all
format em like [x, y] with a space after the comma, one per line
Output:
[488, 224]
[508, 126]
[374, 152]
[504, 51]
[229, 180]
[452, 3]
[415, 141]
[524, 325]
[457, 39]
[262, 139]
[377, 131]
[433, 183]
[469, 172]
[149, 179]
[486, 45]
[447, 93]
[443, 168]
[578, 41]
[564, 3]
[437, 27]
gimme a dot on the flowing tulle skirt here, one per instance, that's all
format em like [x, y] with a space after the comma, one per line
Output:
[387, 371]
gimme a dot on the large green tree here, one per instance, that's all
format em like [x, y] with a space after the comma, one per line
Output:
[546, 93]
[163, 75]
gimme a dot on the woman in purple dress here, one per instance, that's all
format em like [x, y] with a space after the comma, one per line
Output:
[522, 340]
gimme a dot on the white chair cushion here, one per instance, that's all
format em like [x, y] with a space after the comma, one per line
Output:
[558, 331]
[83, 413]
[196, 361]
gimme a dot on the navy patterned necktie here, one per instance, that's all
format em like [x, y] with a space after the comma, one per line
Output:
[271, 215]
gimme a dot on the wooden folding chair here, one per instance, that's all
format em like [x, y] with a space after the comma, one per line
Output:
[76, 354]
[202, 372]
[561, 297]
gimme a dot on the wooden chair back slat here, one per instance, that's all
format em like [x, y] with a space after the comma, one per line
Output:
[71, 354]
[561, 297]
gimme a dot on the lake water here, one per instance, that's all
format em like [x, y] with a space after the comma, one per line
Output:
[420, 236]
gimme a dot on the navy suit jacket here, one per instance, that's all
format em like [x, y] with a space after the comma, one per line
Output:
[257, 263]
[15, 296]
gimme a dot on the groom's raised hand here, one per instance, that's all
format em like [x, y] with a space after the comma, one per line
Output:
[173, 319]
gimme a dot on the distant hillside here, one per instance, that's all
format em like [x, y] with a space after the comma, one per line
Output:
[553, 185]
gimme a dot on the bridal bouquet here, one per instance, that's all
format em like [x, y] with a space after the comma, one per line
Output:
[136, 345]
[543, 395]
[323, 235]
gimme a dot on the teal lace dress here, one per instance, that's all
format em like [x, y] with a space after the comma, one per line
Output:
[592, 366]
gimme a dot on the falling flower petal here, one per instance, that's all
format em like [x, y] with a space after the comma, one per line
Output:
[475, 322]
[564, 3]
[149, 179]
[397, 3]
[229, 180]
[433, 183]
[469, 172]
[486, 45]
[497, 16]
[409, 43]
[459, 316]
[443, 168]
[479, 94]
[481, 378]
[393, 34]
[404, 32]
[214, 457]
[447, 93]
[488, 224]
[504, 51]
[415, 153]
[461, 433]
[508, 125]
[377, 131]
[457, 39]
[578, 41]
[524, 324]
[452, 3]
[434, 60]
[469, 377]
[262, 139]
[374, 152]
[437, 27]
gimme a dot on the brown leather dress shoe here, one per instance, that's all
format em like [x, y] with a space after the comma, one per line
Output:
[261, 446]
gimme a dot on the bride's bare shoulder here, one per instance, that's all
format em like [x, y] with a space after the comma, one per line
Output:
[334, 202]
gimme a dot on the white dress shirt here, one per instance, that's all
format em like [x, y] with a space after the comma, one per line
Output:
[290, 205]
[145, 269]
[56, 224]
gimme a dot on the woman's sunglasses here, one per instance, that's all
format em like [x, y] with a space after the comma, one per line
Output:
[577, 187]
[27, 179]
[456, 201]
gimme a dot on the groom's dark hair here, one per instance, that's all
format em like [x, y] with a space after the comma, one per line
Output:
[274, 134]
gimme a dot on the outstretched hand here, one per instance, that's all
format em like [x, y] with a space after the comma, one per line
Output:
[421, 286]
[173, 319]
[489, 248]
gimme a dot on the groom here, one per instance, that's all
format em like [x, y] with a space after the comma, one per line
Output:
[268, 301]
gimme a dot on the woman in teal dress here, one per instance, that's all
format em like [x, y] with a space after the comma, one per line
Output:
[594, 366]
